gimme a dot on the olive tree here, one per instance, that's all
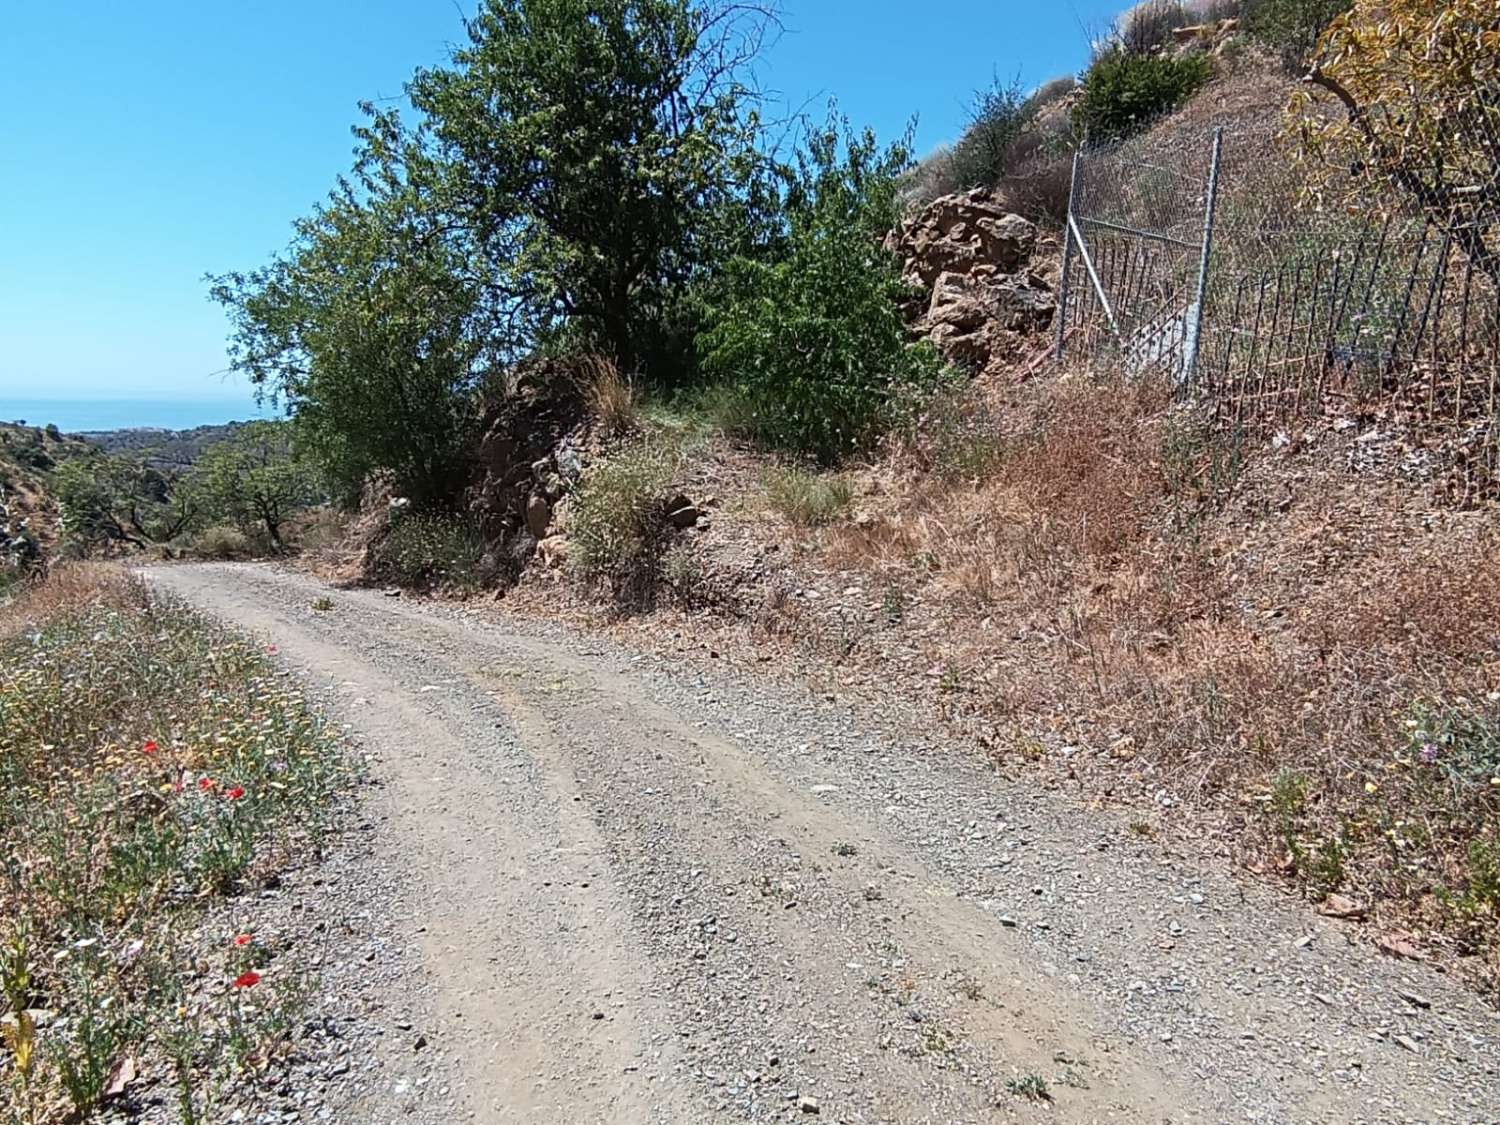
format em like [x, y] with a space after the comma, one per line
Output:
[255, 480]
[113, 499]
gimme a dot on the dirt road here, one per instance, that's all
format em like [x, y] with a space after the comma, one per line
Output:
[608, 888]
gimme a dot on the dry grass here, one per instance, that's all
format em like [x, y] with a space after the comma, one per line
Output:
[609, 396]
[1236, 641]
[808, 499]
[70, 586]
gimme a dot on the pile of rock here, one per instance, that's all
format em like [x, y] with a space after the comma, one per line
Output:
[984, 299]
[529, 459]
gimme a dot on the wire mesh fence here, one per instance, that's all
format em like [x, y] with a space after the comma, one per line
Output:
[1197, 254]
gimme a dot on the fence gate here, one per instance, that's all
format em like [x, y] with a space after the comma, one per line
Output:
[1136, 254]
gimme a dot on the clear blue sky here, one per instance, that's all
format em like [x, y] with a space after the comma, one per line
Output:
[145, 144]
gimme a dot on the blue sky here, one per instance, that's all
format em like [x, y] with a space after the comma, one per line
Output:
[145, 144]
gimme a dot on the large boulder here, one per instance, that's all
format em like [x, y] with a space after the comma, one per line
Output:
[972, 261]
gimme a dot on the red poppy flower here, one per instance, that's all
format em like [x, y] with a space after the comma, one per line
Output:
[243, 939]
[233, 794]
[206, 783]
[248, 979]
[150, 747]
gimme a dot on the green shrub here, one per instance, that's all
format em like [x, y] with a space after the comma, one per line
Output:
[1291, 27]
[808, 499]
[810, 341]
[1124, 92]
[998, 117]
[619, 525]
[1458, 738]
[429, 549]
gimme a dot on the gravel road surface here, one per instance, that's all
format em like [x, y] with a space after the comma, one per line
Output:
[599, 886]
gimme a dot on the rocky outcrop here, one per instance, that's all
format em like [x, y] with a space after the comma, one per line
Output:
[528, 459]
[972, 261]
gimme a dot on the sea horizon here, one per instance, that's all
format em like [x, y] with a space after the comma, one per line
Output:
[95, 415]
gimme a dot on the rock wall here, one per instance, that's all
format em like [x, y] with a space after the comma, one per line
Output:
[983, 297]
[529, 458]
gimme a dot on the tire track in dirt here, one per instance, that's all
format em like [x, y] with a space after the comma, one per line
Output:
[588, 846]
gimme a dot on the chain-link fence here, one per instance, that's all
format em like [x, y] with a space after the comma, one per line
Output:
[1196, 253]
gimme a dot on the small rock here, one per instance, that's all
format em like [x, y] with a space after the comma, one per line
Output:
[682, 513]
[1408, 1042]
[1342, 906]
[809, 1105]
[1414, 999]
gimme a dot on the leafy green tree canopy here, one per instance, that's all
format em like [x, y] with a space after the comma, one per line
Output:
[114, 499]
[256, 481]
[378, 324]
[614, 139]
[811, 341]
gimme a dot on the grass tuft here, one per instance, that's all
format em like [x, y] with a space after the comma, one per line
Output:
[610, 397]
[808, 499]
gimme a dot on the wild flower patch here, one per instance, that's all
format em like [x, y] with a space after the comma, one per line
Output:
[150, 762]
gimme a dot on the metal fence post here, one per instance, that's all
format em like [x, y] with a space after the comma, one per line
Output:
[1195, 313]
[1067, 260]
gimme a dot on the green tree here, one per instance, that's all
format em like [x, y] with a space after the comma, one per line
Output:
[256, 481]
[613, 141]
[377, 326]
[810, 340]
[120, 498]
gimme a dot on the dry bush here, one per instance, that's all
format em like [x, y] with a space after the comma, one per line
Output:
[935, 175]
[69, 586]
[222, 543]
[1087, 468]
[609, 396]
[1288, 666]
[1040, 186]
[1430, 601]
[1148, 25]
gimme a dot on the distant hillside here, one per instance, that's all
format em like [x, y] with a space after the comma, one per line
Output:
[28, 513]
[162, 447]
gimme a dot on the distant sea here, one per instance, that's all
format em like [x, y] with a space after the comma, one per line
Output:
[82, 415]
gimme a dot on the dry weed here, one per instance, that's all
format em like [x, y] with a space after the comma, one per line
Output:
[1320, 668]
[75, 586]
[609, 396]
